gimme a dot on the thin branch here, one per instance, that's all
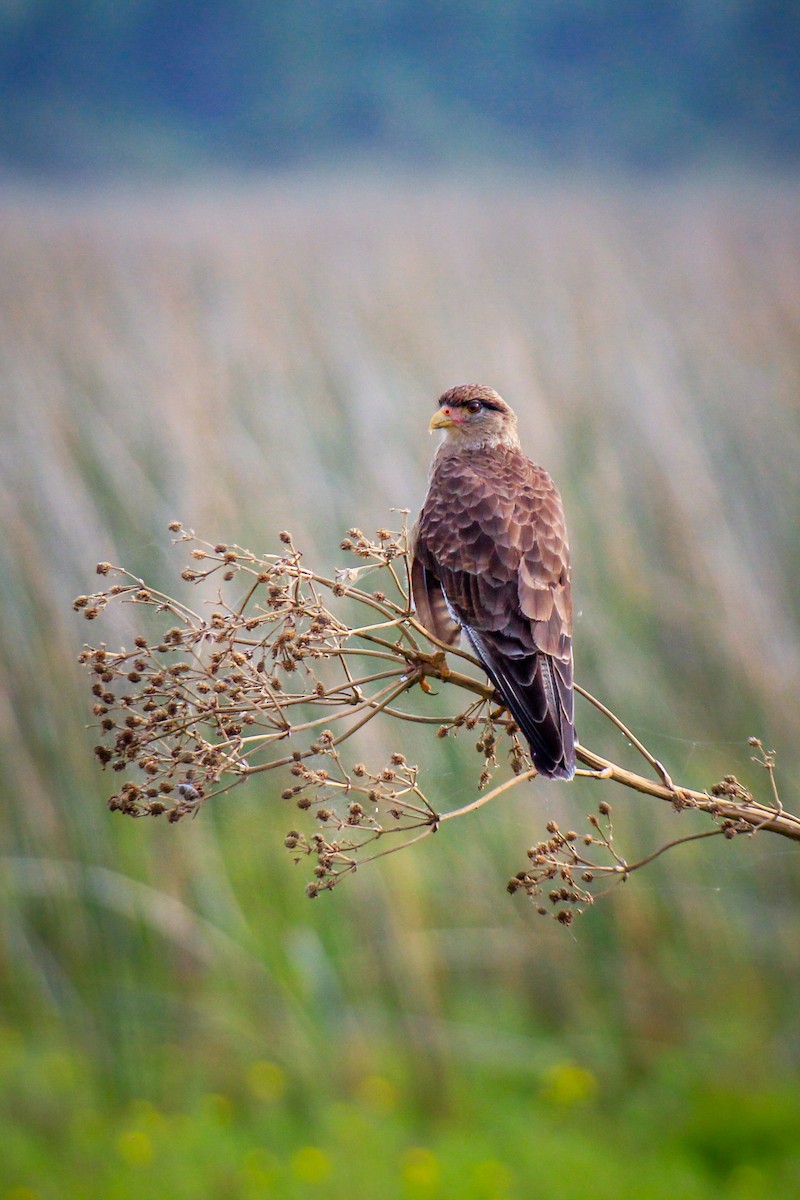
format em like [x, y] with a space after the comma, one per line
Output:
[689, 837]
[632, 738]
[372, 711]
[481, 800]
[750, 811]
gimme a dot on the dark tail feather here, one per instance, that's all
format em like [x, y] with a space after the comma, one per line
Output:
[537, 691]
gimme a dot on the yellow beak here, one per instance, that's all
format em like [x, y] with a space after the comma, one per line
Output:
[441, 420]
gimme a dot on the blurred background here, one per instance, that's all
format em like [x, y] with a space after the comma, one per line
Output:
[242, 250]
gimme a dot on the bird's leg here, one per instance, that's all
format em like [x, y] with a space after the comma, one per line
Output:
[434, 665]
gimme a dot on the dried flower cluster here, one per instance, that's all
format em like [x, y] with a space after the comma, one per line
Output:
[273, 673]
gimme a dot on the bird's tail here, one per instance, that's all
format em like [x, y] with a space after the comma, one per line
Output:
[537, 691]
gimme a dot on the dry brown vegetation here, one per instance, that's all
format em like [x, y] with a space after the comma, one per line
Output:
[219, 698]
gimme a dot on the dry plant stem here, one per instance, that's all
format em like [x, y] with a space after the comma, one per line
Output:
[628, 868]
[757, 815]
[372, 708]
[632, 738]
[489, 796]
[428, 828]
[415, 718]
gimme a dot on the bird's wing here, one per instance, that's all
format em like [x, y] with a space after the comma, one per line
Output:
[431, 605]
[492, 534]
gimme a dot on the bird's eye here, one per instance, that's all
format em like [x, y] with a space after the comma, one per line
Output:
[474, 406]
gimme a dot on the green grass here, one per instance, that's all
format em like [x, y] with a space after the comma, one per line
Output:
[177, 1018]
[267, 1133]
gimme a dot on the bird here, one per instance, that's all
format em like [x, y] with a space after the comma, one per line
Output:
[490, 557]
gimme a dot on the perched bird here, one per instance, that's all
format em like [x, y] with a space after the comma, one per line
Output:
[490, 557]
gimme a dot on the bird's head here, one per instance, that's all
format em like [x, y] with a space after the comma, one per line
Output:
[474, 416]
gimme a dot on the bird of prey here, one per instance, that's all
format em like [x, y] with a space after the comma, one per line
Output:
[490, 557]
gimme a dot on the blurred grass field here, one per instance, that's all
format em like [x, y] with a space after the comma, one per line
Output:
[177, 1018]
